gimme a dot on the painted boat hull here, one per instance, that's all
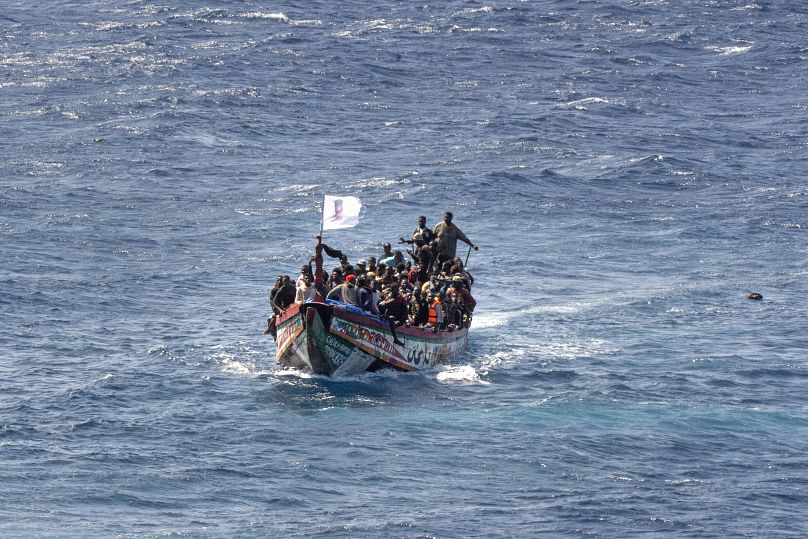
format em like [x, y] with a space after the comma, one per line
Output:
[334, 341]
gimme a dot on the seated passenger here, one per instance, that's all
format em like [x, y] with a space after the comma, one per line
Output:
[464, 300]
[394, 306]
[274, 292]
[285, 295]
[304, 290]
[419, 308]
[346, 292]
[305, 270]
[458, 267]
[364, 295]
[394, 260]
[435, 313]
[395, 310]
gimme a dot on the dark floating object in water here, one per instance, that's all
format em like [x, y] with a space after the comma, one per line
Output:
[754, 295]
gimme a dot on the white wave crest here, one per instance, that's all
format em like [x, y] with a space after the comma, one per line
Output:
[462, 374]
[724, 51]
[581, 104]
[270, 16]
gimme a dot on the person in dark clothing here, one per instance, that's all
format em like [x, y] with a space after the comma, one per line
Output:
[394, 308]
[285, 296]
[271, 329]
[421, 235]
[364, 296]
[419, 308]
[274, 292]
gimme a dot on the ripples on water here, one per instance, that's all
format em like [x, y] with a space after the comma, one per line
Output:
[630, 171]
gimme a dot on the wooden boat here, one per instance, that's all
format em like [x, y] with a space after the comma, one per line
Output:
[337, 339]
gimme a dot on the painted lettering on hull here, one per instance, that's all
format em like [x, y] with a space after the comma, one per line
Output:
[425, 355]
[420, 353]
[372, 341]
[287, 335]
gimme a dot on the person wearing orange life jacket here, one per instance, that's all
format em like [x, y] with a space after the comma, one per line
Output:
[435, 318]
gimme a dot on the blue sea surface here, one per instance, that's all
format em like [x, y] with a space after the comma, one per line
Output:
[631, 170]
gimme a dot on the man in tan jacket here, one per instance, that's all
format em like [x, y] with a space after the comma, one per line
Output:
[447, 233]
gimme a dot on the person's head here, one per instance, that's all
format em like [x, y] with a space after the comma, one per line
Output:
[361, 265]
[361, 280]
[307, 279]
[287, 280]
[305, 269]
[447, 218]
[387, 249]
[351, 280]
[371, 262]
[458, 262]
[457, 281]
[279, 280]
[422, 221]
[418, 239]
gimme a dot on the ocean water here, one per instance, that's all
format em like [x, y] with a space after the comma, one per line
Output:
[630, 171]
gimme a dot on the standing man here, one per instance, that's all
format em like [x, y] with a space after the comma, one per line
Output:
[447, 233]
[420, 235]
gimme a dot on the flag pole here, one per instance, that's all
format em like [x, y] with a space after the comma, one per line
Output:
[318, 253]
[322, 217]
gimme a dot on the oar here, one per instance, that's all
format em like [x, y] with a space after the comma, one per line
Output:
[466, 263]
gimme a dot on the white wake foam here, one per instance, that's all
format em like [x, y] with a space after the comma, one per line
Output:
[460, 374]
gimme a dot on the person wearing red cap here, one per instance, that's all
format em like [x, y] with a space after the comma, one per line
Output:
[346, 292]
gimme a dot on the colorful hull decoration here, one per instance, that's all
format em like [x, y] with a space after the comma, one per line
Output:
[332, 340]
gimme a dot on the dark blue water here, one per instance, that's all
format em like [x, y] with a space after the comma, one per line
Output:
[630, 170]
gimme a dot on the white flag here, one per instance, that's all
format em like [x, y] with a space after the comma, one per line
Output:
[340, 212]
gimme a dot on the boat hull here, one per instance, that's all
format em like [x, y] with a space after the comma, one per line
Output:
[340, 340]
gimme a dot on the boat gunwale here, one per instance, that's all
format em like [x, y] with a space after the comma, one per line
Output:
[369, 320]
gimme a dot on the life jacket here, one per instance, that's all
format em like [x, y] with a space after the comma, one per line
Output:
[433, 311]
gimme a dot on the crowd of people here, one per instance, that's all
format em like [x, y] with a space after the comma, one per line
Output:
[431, 288]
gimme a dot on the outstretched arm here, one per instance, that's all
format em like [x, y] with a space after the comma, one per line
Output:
[462, 237]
